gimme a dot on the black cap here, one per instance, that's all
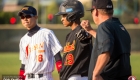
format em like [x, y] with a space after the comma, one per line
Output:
[101, 4]
[27, 10]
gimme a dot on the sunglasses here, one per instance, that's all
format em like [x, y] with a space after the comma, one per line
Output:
[91, 10]
[26, 16]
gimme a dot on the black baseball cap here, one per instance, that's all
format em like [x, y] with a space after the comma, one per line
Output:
[28, 10]
[101, 4]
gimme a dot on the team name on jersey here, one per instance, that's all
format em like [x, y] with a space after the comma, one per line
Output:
[39, 47]
[69, 47]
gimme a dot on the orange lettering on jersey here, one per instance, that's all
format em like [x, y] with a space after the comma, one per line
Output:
[41, 45]
[39, 48]
[69, 59]
[35, 47]
[41, 51]
[69, 47]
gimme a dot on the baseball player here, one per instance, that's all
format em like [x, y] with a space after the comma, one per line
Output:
[77, 50]
[38, 48]
[110, 59]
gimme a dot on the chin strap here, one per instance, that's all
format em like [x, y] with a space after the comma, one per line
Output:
[58, 65]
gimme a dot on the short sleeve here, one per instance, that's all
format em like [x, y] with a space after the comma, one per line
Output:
[105, 39]
[54, 43]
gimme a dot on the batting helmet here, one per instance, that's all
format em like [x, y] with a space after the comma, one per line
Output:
[73, 8]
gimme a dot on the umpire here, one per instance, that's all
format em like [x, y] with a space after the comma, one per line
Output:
[110, 59]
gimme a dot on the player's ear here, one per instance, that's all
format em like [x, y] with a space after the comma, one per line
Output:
[96, 12]
[36, 17]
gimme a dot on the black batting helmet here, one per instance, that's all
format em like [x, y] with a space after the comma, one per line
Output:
[73, 8]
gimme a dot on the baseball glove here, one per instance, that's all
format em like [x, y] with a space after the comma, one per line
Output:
[82, 34]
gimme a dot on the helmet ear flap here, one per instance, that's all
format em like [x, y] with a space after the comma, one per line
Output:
[72, 16]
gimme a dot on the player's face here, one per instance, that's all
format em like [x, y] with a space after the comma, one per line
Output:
[28, 21]
[65, 22]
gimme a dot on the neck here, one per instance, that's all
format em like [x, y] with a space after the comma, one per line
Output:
[103, 18]
[75, 24]
[32, 27]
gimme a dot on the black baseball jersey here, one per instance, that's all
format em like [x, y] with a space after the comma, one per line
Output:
[76, 55]
[112, 37]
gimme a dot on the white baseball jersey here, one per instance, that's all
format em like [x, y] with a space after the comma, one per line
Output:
[37, 52]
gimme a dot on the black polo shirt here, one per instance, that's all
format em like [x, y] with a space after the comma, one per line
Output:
[112, 37]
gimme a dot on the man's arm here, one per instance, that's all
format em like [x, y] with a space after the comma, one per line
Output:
[102, 60]
[87, 27]
[92, 32]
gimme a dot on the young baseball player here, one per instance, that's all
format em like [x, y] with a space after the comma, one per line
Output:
[110, 59]
[77, 50]
[38, 48]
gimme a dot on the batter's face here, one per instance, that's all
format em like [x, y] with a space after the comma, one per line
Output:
[28, 21]
[65, 22]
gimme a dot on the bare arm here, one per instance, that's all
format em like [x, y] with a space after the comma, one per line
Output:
[102, 60]
[86, 25]
[92, 32]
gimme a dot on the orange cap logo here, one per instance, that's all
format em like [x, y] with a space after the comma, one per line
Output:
[25, 8]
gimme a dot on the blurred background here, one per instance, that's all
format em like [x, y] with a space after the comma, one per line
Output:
[11, 30]
[127, 10]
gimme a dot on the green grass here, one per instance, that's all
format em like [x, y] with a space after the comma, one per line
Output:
[135, 63]
[10, 64]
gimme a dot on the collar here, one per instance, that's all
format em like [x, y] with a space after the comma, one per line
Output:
[113, 18]
[32, 31]
[77, 28]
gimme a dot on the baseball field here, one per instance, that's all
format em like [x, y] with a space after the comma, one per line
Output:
[10, 64]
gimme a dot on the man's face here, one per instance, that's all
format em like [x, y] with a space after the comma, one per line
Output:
[94, 13]
[65, 22]
[28, 21]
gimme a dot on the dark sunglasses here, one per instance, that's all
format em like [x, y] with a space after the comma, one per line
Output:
[26, 16]
[91, 10]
